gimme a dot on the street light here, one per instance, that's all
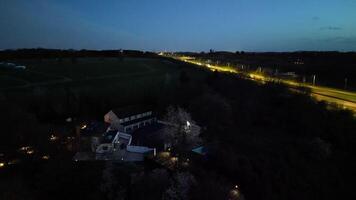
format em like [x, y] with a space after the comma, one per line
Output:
[314, 77]
[345, 86]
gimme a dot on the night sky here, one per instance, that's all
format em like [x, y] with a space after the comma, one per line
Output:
[179, 25]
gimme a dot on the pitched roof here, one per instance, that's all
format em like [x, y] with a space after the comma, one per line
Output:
[131, 110]
[148, 135]
[137, 120]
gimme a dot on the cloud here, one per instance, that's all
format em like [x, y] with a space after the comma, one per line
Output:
[343, 40]
[331, 28]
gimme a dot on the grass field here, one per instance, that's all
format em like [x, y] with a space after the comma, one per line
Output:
[10, 81]
[83, 68]
[83, 71]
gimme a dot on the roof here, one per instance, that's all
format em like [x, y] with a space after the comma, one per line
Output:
[109, 136]
[200, 150]
[131, 110]
[137, 120]
[149, 136]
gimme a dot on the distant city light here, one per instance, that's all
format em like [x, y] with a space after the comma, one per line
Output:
[27, 149]
[14, 161]
[83, 127]
[53, 138]
[29, 152]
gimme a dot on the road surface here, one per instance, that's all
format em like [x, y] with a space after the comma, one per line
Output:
[342, 98]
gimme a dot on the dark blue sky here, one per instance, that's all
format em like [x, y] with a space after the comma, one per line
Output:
[179, 25]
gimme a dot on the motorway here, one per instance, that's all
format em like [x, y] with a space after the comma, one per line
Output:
[341, 98]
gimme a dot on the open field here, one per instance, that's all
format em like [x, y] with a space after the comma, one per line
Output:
[10, 81]
[72, 88]
[81, 68]
[81, 71]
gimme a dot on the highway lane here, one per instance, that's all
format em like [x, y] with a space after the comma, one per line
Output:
[344, 99]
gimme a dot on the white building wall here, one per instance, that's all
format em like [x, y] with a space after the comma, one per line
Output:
[139, 149]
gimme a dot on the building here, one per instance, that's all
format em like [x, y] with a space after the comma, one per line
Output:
[129, 118]
[116, 142]
[112, 140]
[129, 134]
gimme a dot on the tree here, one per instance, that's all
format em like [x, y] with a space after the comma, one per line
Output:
[181, 131]
[180, 186]
[149, 185]
[110, 185]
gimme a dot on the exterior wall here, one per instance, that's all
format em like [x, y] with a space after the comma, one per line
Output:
[133, 117]
[104, 148]
[112, 119]
[94, 143]
[125, 136]
[137, 125]
[139, 149]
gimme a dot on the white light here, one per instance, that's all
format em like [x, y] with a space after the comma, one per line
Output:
[53, 138]
[45, 157]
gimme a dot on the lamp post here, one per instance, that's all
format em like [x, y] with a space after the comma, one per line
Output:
[314, 77]
[345, 86]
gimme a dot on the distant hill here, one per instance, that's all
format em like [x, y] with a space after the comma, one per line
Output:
[59, 53]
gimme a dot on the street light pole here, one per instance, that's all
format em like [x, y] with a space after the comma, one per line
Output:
[314, 77]
[345, 86]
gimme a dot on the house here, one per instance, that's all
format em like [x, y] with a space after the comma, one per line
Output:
[129, 118]
[110, 141]
[122, 122]
[116, 143]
